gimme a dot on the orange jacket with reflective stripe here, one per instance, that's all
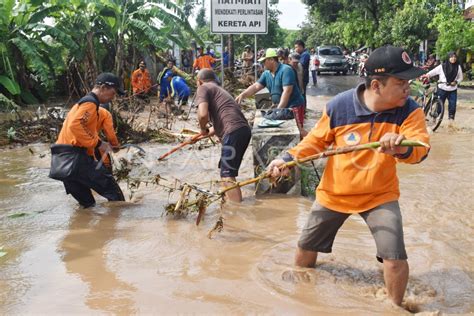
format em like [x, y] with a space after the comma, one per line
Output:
[359, 181]
[141, 81]
[106, 123]
[80, 127]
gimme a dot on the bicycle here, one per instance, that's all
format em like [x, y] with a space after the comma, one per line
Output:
[430, 103]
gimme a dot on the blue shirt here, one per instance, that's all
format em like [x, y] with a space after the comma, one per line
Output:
[226, 59]
[179, 87]
[165, 87]
[304, 61]
[284, 76]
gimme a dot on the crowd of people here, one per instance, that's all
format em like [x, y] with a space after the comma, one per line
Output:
[378, 109]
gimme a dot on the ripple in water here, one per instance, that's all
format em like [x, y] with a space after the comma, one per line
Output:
[358, 287]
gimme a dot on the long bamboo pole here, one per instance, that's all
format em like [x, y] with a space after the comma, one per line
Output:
[328, 153]
[193, 140]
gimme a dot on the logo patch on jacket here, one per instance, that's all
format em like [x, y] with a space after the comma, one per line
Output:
[352, 138]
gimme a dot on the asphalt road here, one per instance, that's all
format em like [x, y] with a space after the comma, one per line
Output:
[331, 84]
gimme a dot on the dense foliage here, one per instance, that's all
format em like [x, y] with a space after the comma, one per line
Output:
[354, 24]
[47, 46]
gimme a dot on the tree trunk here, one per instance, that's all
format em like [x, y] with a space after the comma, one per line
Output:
[231, 51]
[21, 73]
[119, 56]
[91, 71]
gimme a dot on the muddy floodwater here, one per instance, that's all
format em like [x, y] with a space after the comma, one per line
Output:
[129, 258]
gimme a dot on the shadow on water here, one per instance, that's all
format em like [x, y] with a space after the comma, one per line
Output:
[84, 253]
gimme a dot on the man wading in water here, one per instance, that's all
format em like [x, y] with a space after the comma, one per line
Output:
[72, 157]
[229, 124]
[365, 182]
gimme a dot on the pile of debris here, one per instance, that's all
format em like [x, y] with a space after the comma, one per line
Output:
[26, 129]
[44, 125]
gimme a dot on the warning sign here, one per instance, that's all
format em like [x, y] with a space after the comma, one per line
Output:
[239, 17]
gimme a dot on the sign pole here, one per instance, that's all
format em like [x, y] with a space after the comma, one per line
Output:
[255, 58]
[222, 59]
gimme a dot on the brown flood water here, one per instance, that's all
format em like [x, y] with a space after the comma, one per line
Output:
[128, 258]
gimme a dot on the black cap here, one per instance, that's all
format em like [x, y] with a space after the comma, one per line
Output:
[392, 61]
[111, 80]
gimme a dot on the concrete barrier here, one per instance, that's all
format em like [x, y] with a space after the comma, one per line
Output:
[263, 99]
[268, 143]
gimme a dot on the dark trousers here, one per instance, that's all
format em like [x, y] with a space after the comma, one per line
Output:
[305, 84]
[92, 176]
[452, 97]
[313, 74]
[183, 100]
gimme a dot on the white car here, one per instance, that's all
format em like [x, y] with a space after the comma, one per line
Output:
[331, 59]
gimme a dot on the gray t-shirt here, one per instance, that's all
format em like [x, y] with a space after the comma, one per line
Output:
[224, 112]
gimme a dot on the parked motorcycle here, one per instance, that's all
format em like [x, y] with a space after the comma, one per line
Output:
[353, 64]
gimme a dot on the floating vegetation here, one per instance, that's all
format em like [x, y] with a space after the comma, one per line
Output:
[218, 227]
[17, 215]
[2, 252]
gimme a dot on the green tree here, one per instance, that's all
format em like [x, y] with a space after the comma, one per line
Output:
[410, 25]
[188, 6]
[40, 40]
[201, 21]
[375, 23]
[453, 31]
[27, 51]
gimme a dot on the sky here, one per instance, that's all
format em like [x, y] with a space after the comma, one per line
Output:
[293, 13]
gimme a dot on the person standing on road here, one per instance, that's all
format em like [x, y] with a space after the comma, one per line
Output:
[217, 106]
[72, 157]
[284, 56]
[450, 75]
[304, 61]
[203, 61]
[313, 66]
[247, 60]
[364, 182]
[298, 68]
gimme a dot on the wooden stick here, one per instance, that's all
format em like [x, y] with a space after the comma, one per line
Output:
[331, 152]
[193, 140]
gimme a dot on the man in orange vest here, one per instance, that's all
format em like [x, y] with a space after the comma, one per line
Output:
[204, 61]
[141, 80]
[365, 182]
[72, 157]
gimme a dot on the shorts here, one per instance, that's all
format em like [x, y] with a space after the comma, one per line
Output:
[234, 146]
[298, 113]
[384, 221]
